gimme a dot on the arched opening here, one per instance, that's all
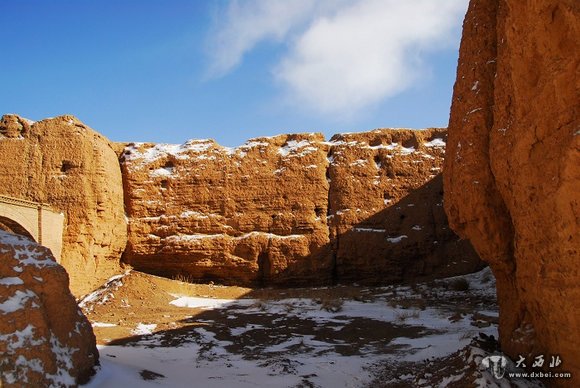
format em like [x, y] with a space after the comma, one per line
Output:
[12, 226]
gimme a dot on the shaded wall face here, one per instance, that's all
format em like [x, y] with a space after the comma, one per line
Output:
[512, 168]
[293, 209]
[64, 163]
[387, 221]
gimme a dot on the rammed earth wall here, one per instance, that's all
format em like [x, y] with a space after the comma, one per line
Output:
[293, 209]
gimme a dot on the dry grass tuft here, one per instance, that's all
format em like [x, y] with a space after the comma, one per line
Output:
[402, 316]
[408, 303]
[460, 284]
[329, 304]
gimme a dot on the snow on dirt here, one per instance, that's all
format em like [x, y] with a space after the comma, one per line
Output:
[206, 303]
[312, 341]
[143, 328]
[103, 293]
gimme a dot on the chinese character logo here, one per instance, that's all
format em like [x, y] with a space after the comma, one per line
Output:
[555, 361]
[538, 361]
[496, 365]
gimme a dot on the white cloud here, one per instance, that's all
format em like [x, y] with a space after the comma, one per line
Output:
[342, 56]
[244, 24]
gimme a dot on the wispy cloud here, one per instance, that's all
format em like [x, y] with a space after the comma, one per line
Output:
[341, 56]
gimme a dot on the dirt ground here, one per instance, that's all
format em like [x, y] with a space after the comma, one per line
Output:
[395, 336]
[145, 299]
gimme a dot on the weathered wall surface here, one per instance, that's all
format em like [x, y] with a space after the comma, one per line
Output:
[251, 215]
[67, 165]
[45, 340]
[387, 221]
[293, 209]
[283, 210]
[512, 170]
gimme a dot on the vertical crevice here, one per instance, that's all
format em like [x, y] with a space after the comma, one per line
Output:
[332, 230]
[125, 176]
[264, 267]
[334, 264]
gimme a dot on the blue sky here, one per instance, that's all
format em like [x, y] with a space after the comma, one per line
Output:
[168, 71]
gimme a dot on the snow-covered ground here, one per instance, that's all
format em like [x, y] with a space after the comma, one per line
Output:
[303, 342]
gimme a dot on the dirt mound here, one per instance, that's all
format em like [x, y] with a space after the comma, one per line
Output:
[45, 340]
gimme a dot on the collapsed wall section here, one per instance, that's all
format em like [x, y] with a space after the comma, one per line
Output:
[45, 340]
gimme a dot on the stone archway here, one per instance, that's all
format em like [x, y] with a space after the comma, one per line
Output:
[12, 226]
[34, 220]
